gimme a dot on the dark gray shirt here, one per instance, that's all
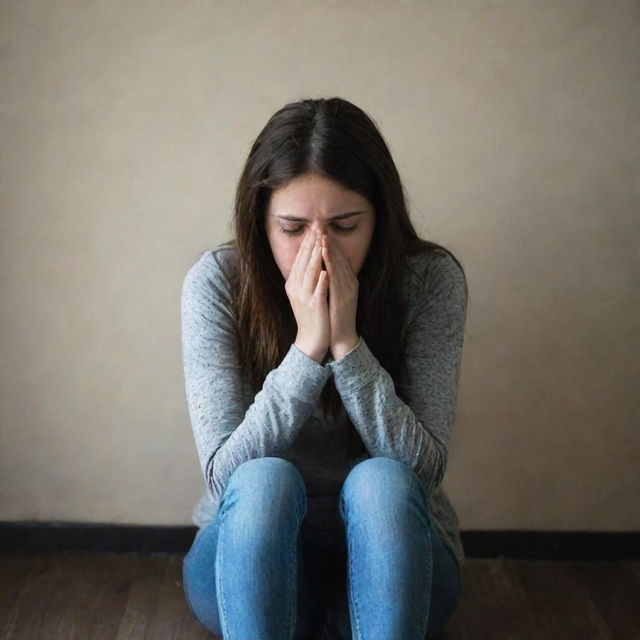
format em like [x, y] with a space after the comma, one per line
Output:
[231, 424]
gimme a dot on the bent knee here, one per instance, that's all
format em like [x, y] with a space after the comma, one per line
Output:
[379, 470]
[383, 480]
[268, 475]
[266, 466]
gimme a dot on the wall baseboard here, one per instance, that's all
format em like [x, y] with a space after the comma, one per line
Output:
[552, 545]
[52, 537]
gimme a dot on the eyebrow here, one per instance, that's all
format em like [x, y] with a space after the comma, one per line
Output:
[340, 216]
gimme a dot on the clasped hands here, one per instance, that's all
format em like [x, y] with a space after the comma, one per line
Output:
[324, 303]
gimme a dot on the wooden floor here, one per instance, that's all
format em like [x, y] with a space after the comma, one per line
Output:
[118, 596]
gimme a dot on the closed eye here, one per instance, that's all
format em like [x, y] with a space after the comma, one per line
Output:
[337, 227]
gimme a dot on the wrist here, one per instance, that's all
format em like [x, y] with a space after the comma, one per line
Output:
[340, 349]
[315, 354]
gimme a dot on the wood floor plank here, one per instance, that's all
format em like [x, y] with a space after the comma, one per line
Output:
[562, 604]
[614, 589]
[142, 598]
[493, 605]
[172, 618]
[15, 572]
[29, 612]
[73, 596]
[78, 596]
[110, 582]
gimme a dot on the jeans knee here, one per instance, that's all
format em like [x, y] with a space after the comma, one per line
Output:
[268, 479]
[267, 466]
[369, 473]
[382, 481]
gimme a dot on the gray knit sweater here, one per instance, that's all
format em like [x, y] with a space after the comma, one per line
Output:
[231, 424]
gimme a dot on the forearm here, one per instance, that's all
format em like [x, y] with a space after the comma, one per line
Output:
[271, 423]
[387, 425]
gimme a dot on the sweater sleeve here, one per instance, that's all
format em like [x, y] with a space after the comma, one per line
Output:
[416, 432]
[227, 429]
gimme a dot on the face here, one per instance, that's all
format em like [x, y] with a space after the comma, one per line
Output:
[314, 202]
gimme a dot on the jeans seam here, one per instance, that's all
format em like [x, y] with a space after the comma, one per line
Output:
[293, 587]
[351, 590]
[429, 570]
[219, 591]
[452, 555]
[458, 572]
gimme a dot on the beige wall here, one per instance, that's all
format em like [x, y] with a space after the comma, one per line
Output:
[124, 128]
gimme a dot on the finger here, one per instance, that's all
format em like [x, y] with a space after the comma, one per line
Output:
[313, 268]
[334, 266]
[323, 286]
[338, 255]
[334, 279]
[327, 257]
[302, 257]
[343, 267]
[304, 253]
[328, 265]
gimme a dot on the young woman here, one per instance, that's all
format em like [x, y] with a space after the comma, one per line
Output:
[322, 351]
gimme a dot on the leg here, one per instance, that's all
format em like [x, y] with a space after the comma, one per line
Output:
[445, 589]
[390, 562]
[446, 584]
[198, 577]
[241, 575]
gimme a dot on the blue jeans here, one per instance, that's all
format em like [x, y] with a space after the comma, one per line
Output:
[252, 573]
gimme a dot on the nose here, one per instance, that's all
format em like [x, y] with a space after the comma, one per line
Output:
[319, 228]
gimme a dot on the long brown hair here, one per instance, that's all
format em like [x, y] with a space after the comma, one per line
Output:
[336, 139]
